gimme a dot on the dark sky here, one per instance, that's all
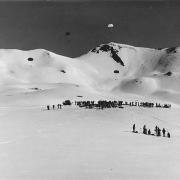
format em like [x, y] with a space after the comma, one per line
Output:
[73, 28]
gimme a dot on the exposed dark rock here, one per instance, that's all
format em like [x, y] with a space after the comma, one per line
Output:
[116, 71]
[63, 71]
[93, 50]
[30, 59]
[168, 73]
[171, 50]
[119, 47]
[35, 88]
[105, 48]
[159, 48]
[113, 52]
[47, 53]
[116, 57]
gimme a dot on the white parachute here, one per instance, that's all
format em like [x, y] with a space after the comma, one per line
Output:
[110, 25]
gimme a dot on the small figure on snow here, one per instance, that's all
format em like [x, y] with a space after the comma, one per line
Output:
[53, 106]
[144, 129]
[48, 108]
[149, 132]
[59, 106]
[164, 132]
[156, 130]
[134, 128]
[168, 135]
[159, 132]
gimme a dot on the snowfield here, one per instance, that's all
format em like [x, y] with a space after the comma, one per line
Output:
[76, 143]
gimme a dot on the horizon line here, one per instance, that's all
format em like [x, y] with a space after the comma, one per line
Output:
[144, 1]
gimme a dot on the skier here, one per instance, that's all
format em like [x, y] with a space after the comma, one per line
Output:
[168, 135]
[134, 127]
[149, 132]
[164, 132]
[53, 106]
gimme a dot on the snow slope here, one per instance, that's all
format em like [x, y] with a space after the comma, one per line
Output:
[84, 144]
[112, 68]
[39, 66]
[136, 70]
[79, 144]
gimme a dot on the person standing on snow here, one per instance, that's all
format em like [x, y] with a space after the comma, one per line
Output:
[156, 130]
[48, 108]
[168, 135]
[164, 132]
[159, 132]
[149, 132]
[134, 127]
[144, 129]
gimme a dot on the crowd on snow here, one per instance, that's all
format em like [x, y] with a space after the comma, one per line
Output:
[102, 104]
[157, 131]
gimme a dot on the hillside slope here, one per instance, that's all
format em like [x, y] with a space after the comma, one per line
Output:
[136, 70]
[109, 68]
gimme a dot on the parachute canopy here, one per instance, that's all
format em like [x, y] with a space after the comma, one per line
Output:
[110, 25]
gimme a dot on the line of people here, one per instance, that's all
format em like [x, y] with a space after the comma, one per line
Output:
[157, 131]
[102, 104]
[53, 107]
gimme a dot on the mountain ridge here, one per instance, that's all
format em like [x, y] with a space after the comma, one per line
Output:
[111, 67]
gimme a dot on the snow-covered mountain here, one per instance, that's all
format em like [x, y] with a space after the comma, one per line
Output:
[137, 70]
[38, 66]
[112, 68]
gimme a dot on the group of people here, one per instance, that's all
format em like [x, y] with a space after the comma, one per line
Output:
[103, 104]
[157, 131]
[119, 104]
[53, 107]
[146, 104]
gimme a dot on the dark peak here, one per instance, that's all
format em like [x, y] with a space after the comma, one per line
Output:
[159, 48]
[115, 45]
[105, 48]
[113, 48]
[171, 50]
